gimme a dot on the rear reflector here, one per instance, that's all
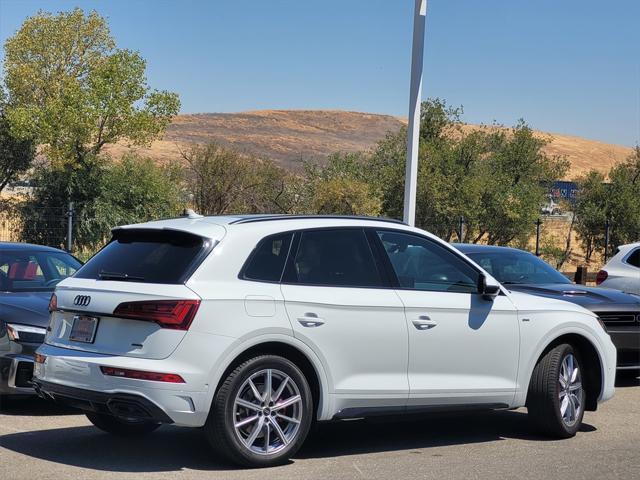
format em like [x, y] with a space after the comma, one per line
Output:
[175, 314]
[601, 277]
[141, 375]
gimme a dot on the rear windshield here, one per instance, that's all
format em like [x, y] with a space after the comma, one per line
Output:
[147, 256]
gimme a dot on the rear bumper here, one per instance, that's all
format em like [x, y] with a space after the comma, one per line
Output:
[74, 378]
[129, 406]
[16, 373]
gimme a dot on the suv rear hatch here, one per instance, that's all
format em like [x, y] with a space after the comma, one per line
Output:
[130, 298]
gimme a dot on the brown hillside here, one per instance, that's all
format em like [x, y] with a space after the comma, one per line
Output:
[288, 136]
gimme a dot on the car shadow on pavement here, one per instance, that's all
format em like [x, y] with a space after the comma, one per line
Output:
[33, 406]
[174, 448]
[413, 432]
[167, 449]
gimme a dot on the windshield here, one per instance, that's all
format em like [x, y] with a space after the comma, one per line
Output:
[513, 267]
[34, 271]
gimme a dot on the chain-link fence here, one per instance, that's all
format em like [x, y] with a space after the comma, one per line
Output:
[44, 226]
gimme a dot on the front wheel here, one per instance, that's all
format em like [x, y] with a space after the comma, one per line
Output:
[556, 397]
[122, 427]
[262, 413]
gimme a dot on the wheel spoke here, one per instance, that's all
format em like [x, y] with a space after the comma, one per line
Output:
[574, 374]
[267, 437]
[575, 386]
[268, 380]
[283, 384]
[570, 367]
[279, 431]
[287, 419]
[254, 433]
[255, 391]
[246, 421]
[287, 403]
[571, 410]
[247, 404]
[563, 382]
[575, 401]
[563, 407]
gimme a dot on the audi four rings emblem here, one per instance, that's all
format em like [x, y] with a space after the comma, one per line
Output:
[82, 300]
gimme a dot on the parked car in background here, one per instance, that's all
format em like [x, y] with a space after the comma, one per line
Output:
[253, 327]
[622, 272]
[550, 207]
[28, 276]
[524, 272]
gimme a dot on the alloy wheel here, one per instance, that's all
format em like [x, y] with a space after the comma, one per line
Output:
[267, 411]
[570, 390]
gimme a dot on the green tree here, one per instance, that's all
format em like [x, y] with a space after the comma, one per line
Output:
[616, 201]
[16, 154]
[43, 213]
[134, 190]
[219, 179]
[591, 211]
[130, 191]
[274, 189]
[74, 92]
[624, 204]
[70, 88]
[515, 176]
[344, 185]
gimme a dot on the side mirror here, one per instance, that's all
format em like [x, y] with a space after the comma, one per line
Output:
[488, 287]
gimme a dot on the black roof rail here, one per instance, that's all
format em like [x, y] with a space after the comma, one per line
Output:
[267, 218]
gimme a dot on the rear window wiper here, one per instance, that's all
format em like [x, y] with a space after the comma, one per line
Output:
[119, 276]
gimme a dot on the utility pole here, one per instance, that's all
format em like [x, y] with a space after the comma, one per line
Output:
[538, 223]
[415, 95]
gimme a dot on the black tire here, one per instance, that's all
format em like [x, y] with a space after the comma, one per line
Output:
[220, 429]
[121, 427]
[543, 403]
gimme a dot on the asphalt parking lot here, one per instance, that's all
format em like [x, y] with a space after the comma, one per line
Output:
[40, 440]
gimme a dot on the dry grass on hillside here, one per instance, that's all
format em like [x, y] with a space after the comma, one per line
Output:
[289, 136]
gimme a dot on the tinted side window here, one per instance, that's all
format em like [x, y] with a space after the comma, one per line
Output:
[634, 258]
[421, 264]
[335, 258]
[268, 259]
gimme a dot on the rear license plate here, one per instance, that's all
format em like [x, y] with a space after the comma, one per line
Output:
[83, 329]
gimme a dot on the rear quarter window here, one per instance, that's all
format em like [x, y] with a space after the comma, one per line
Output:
[634, 258]
[147, 256]
[267, 261]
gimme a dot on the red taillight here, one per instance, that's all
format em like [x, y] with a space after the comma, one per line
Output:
[39, 358]
[141, 375]
[601, 277]
[175, 314]
[53, 303]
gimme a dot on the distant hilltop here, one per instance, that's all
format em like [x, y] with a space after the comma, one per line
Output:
[289, 136]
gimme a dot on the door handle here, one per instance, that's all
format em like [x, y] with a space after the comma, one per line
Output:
[424, 322]
[310, 319]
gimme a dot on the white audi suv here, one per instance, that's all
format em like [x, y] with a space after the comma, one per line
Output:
[254, 327]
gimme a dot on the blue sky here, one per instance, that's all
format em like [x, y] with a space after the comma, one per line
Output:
[566, 66]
